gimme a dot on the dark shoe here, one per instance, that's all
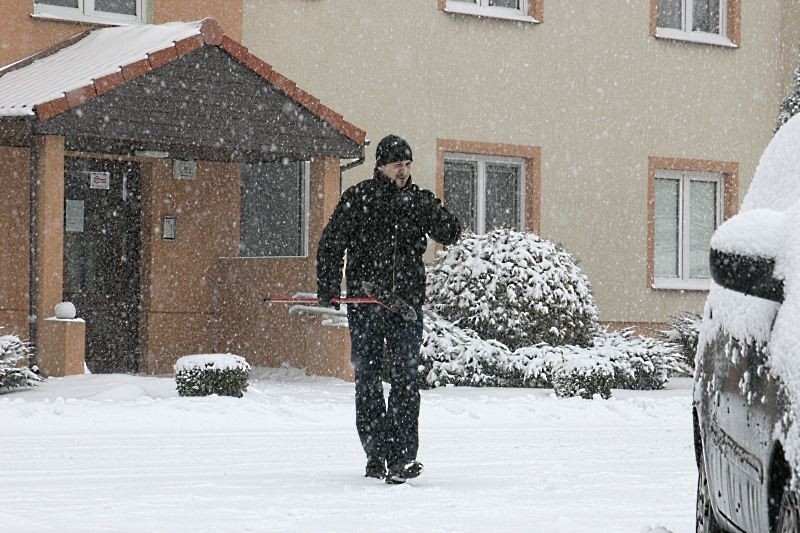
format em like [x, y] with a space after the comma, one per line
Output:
[376, 469]
[398, 474]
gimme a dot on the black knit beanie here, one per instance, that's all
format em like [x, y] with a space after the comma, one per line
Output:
[392, 148]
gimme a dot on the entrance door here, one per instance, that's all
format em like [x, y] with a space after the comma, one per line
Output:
[102, 227]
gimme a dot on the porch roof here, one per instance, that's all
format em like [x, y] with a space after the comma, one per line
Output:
[183, 85]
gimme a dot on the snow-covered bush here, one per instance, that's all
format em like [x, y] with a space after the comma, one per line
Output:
[203, 375]
[640, 363]
[790, 105]
[584, 376]
[684, 330]
[14, 351]
[515, 288]
[452, 355]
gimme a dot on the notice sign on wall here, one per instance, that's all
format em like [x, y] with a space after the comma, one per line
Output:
[73, 221]
[99, 180]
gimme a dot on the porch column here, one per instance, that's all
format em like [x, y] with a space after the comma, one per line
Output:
[47, 257]
[324, 195]
[327, 349]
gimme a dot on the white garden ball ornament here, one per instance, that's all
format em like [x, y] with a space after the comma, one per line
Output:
[65, 310]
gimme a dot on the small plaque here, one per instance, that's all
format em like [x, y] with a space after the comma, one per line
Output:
[184, 170]
[73, 219]
[100, 180]
[169, 228]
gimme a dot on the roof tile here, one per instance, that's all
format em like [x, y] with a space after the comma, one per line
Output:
[188, 45]
[135, 69]
[162, 57]
[106, 83]
[212, 32]
[77, 97]
[236, 50]
[52, 108]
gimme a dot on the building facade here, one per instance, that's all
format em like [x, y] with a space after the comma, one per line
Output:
[626, 131]
[163, 179]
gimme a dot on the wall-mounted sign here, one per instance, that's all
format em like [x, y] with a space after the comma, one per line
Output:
[100, 180]
[73, 216]
[169, 228]
[184, 170]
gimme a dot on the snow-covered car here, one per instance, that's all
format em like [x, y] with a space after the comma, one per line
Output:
[747, 375]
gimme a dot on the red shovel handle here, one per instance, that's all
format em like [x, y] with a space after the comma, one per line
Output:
[314, 301]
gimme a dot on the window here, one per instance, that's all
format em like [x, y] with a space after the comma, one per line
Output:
[485, 192]
[274, 209]
[688, 210]
[705, 21]
[688, 201]
[489, 185]
[522, 10]
[100, 11]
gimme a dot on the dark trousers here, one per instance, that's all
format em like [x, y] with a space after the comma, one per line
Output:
[386, 433]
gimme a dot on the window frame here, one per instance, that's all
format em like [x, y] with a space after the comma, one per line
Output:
[480, 185]
[85, 12]
[305, 218]
[730, 25]
[530, 10]
[531, 182]
[728, 205]
[684, 179]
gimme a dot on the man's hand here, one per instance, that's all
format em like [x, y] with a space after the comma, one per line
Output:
[325, 300]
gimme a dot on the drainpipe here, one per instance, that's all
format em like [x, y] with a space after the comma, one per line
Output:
[353, 164]
[33, 285]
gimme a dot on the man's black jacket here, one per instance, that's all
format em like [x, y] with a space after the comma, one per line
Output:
[383, 229]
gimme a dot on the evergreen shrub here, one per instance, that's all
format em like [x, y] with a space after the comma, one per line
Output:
[790, 105]
[203, 375]
[452, 355]
[513, 287]
[684, 330]
[584, 376]
[13, 352]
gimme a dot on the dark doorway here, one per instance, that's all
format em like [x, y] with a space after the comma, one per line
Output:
[102, 236]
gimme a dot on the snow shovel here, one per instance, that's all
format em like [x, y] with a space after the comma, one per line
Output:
[387, 300]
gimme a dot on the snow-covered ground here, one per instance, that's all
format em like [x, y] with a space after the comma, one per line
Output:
[125, 453]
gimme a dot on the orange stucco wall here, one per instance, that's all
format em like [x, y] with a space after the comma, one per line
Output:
[178, 277]
[227, 12]
[23, 35]
[14, 238]
[270, 336]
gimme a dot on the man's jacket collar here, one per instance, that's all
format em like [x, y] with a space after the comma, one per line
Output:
[386, 184]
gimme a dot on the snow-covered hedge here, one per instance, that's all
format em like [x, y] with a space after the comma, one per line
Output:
[513, 287]
[452, 355]
[684, 330]
[203, 375]
[584, 376]
[14, 351]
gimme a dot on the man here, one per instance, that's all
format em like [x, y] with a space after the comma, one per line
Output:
[382, 223]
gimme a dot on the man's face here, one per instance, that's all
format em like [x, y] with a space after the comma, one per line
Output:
[398, 172]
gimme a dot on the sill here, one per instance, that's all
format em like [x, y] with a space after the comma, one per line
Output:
[463, 8]
[681, 285]
[694, 37]
[83, 19]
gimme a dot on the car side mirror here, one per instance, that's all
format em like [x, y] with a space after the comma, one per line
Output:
[750, 275]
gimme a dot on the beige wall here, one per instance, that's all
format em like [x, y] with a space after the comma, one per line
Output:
[589, 86]
[14, 238]
[22, 35]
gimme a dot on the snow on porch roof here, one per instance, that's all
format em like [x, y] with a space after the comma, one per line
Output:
[97, 61]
